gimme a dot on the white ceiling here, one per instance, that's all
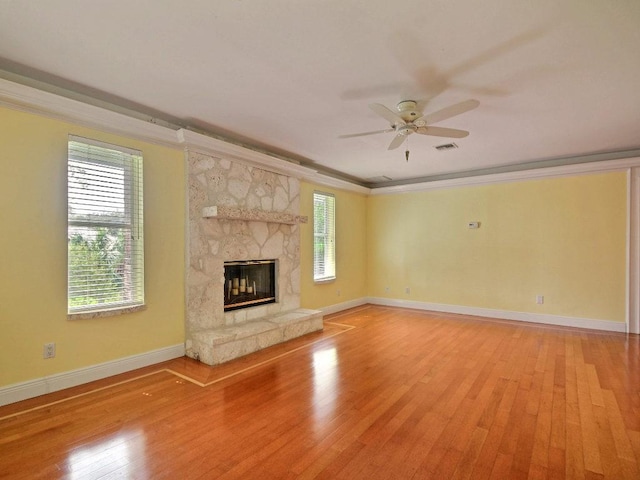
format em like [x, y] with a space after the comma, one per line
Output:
[555, 79]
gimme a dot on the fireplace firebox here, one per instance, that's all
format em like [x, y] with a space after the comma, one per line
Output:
[249, 283]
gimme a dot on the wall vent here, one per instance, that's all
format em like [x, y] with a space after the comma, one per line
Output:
[446, 146]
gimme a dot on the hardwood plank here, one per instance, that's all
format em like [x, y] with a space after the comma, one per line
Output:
[381, 393]
[591, 452]
[470, 455]
[542, 434]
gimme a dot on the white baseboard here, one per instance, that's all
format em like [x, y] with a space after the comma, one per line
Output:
[338, 307]
[33, 388]
[504, 314]
[53, 383]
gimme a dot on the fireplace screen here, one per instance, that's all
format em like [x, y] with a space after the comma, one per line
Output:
[249, 283]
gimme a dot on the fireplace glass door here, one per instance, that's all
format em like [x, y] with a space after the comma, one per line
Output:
[249, 283]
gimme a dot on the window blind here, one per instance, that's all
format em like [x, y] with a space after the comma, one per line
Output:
[324, 245]
[105, 226]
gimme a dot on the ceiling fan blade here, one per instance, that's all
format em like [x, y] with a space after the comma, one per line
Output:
[397, 141]
[442, 132]
[351, 135]
[449, 112]
[389, 115]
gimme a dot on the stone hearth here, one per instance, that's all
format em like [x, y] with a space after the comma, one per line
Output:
[238, 212]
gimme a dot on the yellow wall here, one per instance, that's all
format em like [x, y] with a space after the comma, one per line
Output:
[33, 246]
[351, 245]
[564, 238]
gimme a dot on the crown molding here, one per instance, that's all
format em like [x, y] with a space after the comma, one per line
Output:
[198, 142]
[32, 100]
[532, 174]
[28, 99]
[18, 96]
[328, 181]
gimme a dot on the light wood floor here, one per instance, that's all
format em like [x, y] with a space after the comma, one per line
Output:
[383, 393]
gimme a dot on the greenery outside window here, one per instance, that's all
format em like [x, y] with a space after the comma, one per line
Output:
[105, 227]
[324, 236]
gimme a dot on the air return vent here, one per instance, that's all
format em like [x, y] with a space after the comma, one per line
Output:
[446, 146]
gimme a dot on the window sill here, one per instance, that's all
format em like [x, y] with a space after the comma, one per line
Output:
[325, 280]
[110, 312]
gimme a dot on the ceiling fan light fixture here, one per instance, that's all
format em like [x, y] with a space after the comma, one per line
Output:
[407, 110]
[406, 106]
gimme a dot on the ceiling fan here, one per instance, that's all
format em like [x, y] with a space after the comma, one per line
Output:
[409, 119]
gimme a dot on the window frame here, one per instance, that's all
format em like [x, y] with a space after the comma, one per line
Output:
[328, 238]
[130, 221]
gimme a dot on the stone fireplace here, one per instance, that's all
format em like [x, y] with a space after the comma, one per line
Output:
[236, 212]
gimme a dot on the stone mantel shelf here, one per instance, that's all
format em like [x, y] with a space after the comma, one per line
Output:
[251, 215]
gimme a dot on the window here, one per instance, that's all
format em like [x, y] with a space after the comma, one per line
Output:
[105, 230]
[324, 235]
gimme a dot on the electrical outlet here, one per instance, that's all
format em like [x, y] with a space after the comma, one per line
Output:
[539, 299]
[386, 289]
[338, 292]
[49, 350]
[407, 290]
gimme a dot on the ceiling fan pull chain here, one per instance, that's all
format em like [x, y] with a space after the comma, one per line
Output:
[406, 153]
